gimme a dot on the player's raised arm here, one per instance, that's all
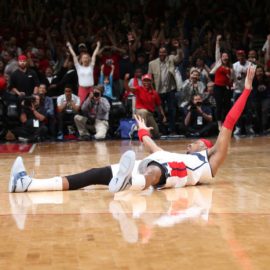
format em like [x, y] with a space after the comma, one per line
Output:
[218, 152]
[145, 137]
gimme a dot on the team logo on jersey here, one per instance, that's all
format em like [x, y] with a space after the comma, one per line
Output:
[178, 169]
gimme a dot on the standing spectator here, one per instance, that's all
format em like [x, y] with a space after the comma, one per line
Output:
[163, 71]
[222, 87]
[253, 57]
[266, 51]
[147, 99]
[107, 83]
[240, 70]
[85, 71]
[203, 69]
[261, 88]
[68, 106]
[11, 63]
[133, 82]
[12, 44]
[141, 62]
[24, 81]
[208, 97]
[198, 120]
[191, 86]
[68, 76]
[51, 80]
[129, 96]
[111, 55]
[95, 117]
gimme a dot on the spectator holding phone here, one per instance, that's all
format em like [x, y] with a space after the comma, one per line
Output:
[107, 82]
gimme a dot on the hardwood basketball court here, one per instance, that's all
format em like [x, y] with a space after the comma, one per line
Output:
[219, 226]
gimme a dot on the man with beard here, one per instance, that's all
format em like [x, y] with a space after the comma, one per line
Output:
[24, 81]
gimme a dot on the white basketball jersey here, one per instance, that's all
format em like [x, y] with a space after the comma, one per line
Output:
[181, 169]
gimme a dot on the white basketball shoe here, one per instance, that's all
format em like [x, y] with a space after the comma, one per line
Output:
[122, 180]
[19, 180]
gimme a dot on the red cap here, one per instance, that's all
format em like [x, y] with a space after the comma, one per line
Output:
[207, 143]
[22, 57]
[147, 77]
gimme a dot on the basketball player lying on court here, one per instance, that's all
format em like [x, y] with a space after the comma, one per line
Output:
[161, 169]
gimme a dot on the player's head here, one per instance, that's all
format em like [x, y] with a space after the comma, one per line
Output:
[199, 145]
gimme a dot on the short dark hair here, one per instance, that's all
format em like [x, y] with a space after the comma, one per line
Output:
[164, 47]
[69, 86]
[195, 95]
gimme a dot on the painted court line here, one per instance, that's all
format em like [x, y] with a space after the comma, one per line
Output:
[32, 148]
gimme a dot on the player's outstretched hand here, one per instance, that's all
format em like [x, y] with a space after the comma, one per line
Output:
[249, 77]
[141, 123]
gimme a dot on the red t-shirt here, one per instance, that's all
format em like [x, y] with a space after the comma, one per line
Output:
[146, 99]
[222, 76]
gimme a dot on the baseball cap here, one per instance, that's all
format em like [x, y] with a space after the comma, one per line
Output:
[22, 57]
[147, 77]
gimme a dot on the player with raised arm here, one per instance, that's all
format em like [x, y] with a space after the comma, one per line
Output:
[160, 169]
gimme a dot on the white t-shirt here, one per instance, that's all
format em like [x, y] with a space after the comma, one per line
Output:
[61, 99]
[85, 75]
[240, 72]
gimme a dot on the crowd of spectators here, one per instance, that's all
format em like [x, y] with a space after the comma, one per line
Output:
[65, 66]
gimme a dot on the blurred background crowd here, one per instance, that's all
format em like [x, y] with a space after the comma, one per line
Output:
[81, 69]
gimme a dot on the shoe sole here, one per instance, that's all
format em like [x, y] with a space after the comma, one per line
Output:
[120, 181]
[12, 184]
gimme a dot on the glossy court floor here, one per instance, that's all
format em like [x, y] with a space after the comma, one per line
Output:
[224, 226]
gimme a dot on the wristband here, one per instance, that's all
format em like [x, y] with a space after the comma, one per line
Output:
[143, 132]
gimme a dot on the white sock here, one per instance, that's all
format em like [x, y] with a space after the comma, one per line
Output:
[51, 184]
[46, 198]
[138, 182]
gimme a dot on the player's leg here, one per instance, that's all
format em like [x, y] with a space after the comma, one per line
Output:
[153, 176]
[218, 152]
[20, 181]
[122, 173]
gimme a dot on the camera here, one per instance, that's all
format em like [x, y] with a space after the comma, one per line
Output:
[109, 62]
[194, 106]
[96, 94]
[28, 101]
